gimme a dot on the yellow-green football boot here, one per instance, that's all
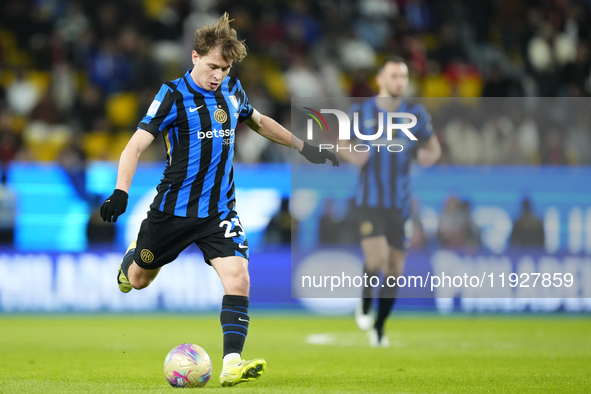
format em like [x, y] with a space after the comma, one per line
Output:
[238, 371]
[122, 280]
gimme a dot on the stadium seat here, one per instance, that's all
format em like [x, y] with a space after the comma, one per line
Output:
[122, 109]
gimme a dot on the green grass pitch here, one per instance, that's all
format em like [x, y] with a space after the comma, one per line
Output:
[305, 353]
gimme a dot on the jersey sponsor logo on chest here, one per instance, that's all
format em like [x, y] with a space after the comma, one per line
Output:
[215, 133]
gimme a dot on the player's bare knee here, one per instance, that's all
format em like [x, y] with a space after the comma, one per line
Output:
[239, 283]
[139, 282]
[242, 280]
[376, 256]
[395, 270]
[139, 286]
[376, 261]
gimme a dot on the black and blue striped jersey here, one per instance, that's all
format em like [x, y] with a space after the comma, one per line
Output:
[384, 181]
[198, 128]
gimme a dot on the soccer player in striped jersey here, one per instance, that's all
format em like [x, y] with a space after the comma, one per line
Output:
[197, 115]
[383, 192]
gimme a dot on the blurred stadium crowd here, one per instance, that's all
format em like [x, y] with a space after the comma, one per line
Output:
[455, 227]
[77, 76]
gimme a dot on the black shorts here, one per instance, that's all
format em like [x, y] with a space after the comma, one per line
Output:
[163, 237]
[374, 222]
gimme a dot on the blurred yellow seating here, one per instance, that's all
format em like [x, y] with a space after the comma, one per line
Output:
[41, 79]
[273, 78]
[436, 86]
[154, 8]
[19, 123]
[7, 40]
[7, 77]
[276, 84]
[429, 41]
[346, 81]
[122, 109]
[80, 80]
[13, 55]
[470, 86]
[117, 143]
[46, 141]
[96, 145]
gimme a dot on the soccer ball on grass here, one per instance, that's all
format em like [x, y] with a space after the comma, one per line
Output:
[187, 365]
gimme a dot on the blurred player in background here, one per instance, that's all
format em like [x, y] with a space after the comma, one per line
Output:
[197, 115]
[383, 192]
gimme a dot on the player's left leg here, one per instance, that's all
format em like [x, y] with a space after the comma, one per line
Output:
[233, 272]
[160, 240]
[374, 243]
[131, 275]
[140, 278]
[124, 284]
[394, 268]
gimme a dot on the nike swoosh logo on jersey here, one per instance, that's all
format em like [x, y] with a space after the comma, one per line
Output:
[195, 109]
[242, 246]
[241, 319]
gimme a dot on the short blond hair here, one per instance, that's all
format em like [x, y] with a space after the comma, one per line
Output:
[220, 34]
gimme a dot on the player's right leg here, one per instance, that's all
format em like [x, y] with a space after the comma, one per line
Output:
[225, 247]
[394, 269]
[397, 235]
[372, 229]
[233, 272]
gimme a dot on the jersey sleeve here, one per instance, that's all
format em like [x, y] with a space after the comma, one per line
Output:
[423, 129]
[162, 112]
[245, 109]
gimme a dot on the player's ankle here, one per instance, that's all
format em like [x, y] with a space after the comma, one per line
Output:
[229, 357]
[379, 331]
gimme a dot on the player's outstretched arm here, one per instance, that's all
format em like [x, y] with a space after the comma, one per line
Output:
[116, 204]
[273, 131]
[430, 152]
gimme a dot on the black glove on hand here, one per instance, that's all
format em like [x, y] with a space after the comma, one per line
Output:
[114, 206]
[315, 155]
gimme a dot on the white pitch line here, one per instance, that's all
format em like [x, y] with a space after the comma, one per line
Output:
[345, 339]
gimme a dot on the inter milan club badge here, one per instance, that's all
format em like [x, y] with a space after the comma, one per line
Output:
[220, 115]
[147, 256]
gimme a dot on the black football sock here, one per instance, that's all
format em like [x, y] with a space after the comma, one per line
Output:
[234, 319]
[127, 261]
[387, 300]
[367, 296]
[384, 308]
